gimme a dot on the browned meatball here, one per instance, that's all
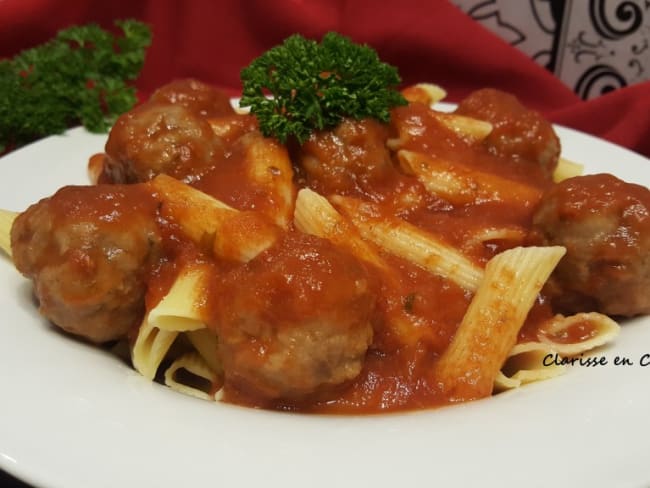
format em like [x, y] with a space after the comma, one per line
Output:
[347, 158]
[605, 225]
[87, 249]
[157, 138]
[294, 321]
[517, 131]
[201, 98]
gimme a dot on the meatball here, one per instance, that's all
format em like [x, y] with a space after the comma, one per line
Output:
[347, 158]
[159, 138]
[295, 321]
[202, 99]
[517, 131]
[605, 225]
[87, 249]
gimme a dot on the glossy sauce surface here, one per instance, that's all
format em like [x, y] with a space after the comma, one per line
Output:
[305, 326]
[354, 160]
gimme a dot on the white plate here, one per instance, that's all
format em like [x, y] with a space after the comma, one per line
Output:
[73, 416]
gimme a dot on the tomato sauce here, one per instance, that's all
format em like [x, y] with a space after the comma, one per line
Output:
[414, 315]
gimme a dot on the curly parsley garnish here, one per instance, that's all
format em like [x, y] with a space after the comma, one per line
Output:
[313, 86]
[80, 76]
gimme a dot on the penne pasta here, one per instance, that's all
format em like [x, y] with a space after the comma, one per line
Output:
[206, 344]
[6, 222]
[315, 215]
[566, 169]
[525, 364]
[427, 93]
[229, 233]
[407, 241]
[150, 347]
[459, 184]
[191, 375]
[468, 128]
[268, 166]
[513, 235]
[469, 366]
[181, 309]
[579, 333]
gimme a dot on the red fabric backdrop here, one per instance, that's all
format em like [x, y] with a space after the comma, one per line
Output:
[428, 40]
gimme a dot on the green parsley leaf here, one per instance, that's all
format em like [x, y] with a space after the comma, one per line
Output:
[83, 75]
[314, 86]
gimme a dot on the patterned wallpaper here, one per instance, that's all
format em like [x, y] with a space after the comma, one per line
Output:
[594, 46]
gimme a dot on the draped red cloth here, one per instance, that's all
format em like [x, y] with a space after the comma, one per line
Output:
[428, 40]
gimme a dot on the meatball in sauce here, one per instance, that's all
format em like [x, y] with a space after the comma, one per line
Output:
[605, 225]
[294, 322]
[200, 98]
[518, 132]
[157, 138]
[87, 250]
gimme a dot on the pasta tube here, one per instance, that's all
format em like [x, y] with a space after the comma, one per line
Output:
[459, 184]
[6, 222]
[469, 366]
[206, 344]
[407, 241]
[315, 215]
[573, 335]
[182, 308]
[150, 347]
[427, 93]
[525, 364]
[566, 169]
[268, 165]
[191, 375]
[468, 128]
[230, 234]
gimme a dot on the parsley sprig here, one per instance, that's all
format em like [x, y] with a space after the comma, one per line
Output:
[82, 76]
[313, 86]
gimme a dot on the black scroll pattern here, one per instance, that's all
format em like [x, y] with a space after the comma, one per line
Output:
[628, 18]
[594, 46]
[598, 80]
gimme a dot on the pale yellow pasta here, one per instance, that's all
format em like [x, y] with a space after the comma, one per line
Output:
[566, 169]
[229, 233]
[315, 215]
[269, 167]
[191, 375]
[199, 214]
[469, 366]
[182, 308]
[206, 344]
[595, 330]
[468, 128]
[460, 184]
[514, 235]
[427, 93]
[407, 241]
[150, 347]
[525, 364]
[6, 222]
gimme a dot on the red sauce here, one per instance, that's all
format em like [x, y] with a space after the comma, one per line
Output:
[398, 370]
[577, 332]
